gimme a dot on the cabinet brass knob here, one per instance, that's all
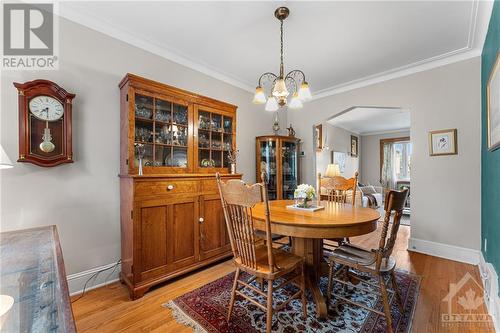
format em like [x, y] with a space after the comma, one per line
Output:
[201, 219]
[170, 187]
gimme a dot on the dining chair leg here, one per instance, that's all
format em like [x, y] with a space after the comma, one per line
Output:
[269, 320]
[385, 301]
[330, 282]
[260, 281]
[303, 289]
[233, 294]
[395, 287]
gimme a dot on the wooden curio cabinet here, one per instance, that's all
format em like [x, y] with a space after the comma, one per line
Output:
[171, 216]
[278, 156]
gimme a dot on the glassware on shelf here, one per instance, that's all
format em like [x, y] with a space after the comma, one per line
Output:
[216, 141]
[163, 134]
[228, 124]
[143, 134]
[216, 123]
[179, 135]
[143, 106]
[204, 140]
[163, 110]
[204, 121]
[228, 142]
[180, 114]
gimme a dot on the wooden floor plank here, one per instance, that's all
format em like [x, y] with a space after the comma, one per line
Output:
[108, 309]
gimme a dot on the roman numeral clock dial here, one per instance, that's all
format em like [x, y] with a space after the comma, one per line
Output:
[44, 123]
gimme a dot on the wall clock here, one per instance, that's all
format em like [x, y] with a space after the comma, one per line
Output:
[45, 136]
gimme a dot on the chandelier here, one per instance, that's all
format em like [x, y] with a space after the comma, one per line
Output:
[273, 90]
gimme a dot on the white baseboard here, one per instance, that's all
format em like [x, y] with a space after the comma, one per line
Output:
[76, 281]
[490, 284]
[457, 253]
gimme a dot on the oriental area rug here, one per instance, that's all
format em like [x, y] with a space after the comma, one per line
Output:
[204, 309]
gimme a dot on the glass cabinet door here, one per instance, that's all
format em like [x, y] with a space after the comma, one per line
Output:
[215, 139]
[288, 168]
[267, 160]
[162, 126]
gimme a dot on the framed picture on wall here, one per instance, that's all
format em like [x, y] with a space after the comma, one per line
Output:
[318, 134]
[339, 158]
[443, 142]
[493, 106]
[354, 146]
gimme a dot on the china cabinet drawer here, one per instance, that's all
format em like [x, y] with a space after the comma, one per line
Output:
[154, 188]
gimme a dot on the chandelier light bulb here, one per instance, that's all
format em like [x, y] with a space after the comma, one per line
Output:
[305, 92]
[272, 104]
[260, 96]
[279, 89]
[295, 103]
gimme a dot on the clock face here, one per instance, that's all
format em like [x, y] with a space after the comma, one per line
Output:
[46, 108]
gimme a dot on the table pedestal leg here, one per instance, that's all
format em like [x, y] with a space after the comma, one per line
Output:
[312, 252]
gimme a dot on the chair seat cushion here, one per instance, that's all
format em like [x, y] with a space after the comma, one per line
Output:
[285, 261]
[351, 255]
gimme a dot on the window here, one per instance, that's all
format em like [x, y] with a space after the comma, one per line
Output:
[402, 160]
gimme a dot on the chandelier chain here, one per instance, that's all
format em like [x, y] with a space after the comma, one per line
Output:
[281, 50]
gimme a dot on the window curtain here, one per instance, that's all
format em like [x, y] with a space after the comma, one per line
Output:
[388, 178]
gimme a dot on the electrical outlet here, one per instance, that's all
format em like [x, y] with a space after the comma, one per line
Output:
[485, 245]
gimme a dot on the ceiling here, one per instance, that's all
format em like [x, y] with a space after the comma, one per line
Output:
[367, 120]
[336, 44]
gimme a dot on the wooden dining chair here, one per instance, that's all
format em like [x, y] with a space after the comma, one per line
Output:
[251, 255]
[377, 262]
[341, 190]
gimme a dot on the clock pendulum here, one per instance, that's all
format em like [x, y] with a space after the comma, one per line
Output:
[47, 146]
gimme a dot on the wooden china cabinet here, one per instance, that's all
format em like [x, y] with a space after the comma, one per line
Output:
[171, 216]
[278, 156]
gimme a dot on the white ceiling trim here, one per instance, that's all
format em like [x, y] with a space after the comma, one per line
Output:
[128, 37]
[477, 33]
[386, 132]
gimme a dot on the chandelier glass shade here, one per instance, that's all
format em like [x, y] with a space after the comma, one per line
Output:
[273, 90]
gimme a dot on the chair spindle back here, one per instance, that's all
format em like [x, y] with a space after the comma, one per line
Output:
[238, 199]
[394, 202]
[337, 188]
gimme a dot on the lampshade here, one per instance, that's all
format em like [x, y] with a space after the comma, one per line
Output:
[272, 104]
[259, 97]
[5, 162]
[279, 89]
[295, 103]
[332, 170]
[304, 92]
[6, 303]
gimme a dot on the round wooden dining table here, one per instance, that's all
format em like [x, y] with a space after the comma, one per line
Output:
[308, 229]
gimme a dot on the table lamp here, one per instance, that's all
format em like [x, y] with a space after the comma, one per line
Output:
[332, 170]
[5, 162]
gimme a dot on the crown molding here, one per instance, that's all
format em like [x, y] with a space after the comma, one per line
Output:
[401, 130]
[122, 34]
[478, 27]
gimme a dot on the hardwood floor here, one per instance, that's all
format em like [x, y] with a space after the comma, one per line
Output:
[108, 309]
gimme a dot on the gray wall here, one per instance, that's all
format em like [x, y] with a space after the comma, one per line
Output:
[338, 139]
[440, 98]
[370, 156]
[82, 198]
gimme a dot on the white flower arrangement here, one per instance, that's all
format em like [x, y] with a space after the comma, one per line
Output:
[304, 191]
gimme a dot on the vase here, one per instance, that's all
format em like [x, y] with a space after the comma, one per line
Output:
[233, 168]
[302, 202]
